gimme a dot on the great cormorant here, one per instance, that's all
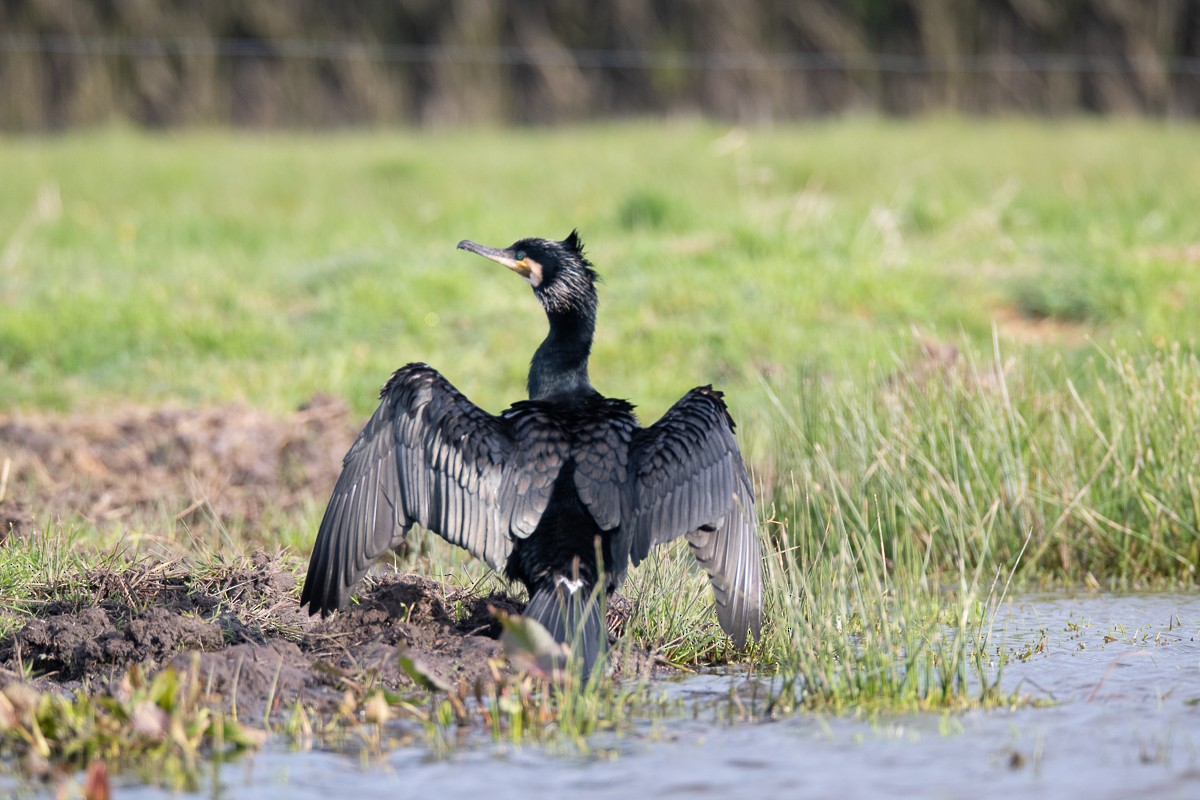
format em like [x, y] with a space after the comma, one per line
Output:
[550, 486]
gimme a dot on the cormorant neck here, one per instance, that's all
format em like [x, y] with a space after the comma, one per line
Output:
[560, 365]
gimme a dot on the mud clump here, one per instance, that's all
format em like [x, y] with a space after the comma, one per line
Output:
[89, 642]
[240, 630]
[276, 672]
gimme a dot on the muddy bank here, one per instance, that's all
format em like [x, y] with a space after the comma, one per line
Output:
[242, 628]
[207, 467]
[238, 623]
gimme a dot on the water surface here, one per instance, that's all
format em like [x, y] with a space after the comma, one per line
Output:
[1122, 674]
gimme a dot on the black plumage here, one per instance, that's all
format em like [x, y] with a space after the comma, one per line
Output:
[555, 491]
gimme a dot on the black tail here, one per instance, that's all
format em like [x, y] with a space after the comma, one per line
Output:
[575, 618]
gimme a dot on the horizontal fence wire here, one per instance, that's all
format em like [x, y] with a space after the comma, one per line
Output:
[244, 48]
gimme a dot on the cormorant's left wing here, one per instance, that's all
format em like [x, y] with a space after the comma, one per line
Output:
[688, 479]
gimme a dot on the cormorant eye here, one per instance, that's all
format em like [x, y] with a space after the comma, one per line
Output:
[520, 255]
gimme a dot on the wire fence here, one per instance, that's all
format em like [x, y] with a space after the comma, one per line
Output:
[303, 49]
[58, 80]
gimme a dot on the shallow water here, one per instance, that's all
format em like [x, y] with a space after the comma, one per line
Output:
[1123, 673]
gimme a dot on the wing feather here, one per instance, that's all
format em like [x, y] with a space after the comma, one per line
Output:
[688, 479]
[528, 484]
[601, 465]
[428, 455]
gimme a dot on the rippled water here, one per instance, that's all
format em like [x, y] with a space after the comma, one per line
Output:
[1123, 673]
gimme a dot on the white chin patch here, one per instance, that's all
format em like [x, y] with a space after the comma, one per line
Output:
[571, 586]
[535, 273]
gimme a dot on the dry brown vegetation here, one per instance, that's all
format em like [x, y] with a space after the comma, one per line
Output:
[167, 62]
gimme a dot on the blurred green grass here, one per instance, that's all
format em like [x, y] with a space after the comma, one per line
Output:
[213, 266]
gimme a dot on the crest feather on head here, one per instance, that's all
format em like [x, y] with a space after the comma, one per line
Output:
[575, 245]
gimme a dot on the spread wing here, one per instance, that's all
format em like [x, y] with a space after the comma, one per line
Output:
[602, 460]
[428, 455]
[689, 480]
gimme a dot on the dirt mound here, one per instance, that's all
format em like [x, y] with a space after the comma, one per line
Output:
[242, 628]
[238, 624]
[77, 644]
[203, 466]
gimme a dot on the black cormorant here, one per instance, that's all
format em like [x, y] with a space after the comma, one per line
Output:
[555, 491]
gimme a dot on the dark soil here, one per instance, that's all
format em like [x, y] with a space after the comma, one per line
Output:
[242, 629]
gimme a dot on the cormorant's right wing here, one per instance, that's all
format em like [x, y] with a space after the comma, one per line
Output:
[688, 479]
[428, 455]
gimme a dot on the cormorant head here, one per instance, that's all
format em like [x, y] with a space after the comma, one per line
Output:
[561, 276]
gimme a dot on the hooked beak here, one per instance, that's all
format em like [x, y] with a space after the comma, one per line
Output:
[499, 256]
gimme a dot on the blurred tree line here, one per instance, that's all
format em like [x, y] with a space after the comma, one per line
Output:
[319, 63]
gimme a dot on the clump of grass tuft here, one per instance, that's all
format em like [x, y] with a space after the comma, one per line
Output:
[672, 611]
[645, 208]
[561, 708]
[160, 729]
[871, 629]
[903, 513]
[1092, 293]
[978, 462]
[565, 712]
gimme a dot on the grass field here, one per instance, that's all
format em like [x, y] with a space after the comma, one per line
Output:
[211, 266]
[958, 351]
